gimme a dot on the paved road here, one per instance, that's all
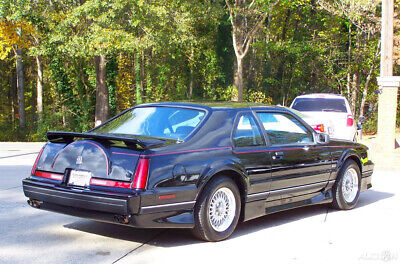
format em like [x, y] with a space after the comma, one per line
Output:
[368, 234]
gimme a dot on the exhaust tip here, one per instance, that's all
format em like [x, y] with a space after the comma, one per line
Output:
[34, 203]
[122, 219]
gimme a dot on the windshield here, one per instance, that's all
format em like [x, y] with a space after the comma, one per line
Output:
[320, 105]
[161, 122]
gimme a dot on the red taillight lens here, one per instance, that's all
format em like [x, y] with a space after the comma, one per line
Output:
[142, 171]
[36, 161]
[319, 127]
[110, 183]
[49, 175]
[350, 120]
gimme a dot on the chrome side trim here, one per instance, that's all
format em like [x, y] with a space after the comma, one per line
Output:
[254, 196]
[298, 188]
[167, 207]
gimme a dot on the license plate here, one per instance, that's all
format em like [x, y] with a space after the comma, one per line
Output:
[79, 178]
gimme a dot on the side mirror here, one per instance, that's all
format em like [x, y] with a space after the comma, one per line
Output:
[361, 119]
[322, 138]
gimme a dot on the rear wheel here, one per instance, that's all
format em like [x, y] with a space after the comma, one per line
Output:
[217, 210]
[346, 190]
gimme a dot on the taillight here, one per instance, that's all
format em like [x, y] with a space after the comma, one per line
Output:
[36, 161]
[49, 175]
[319, 127]
[350, 120]
[142, 171]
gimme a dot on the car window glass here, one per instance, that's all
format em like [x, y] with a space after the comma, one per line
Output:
[284, 129]
[320, 105]
[164, 122]
[247, 133]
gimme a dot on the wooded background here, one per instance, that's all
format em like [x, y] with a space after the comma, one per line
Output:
[65, 65]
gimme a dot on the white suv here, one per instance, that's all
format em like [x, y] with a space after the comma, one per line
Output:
[328, 113]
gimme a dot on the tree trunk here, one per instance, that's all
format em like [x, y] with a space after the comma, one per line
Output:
[238, 82]
[14, 98]
[191, 66]
[365, 91]
[143, 82]
[349, 65]
[64, 118]
[133, 88]
[39, 87]
[354, 91]
[20, 88]
[102, 100]
[191, 83]
[137, 79]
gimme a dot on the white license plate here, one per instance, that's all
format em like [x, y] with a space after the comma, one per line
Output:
[79, 178]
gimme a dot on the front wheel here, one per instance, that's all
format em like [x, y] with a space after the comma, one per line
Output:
[217, 210]
[346, 190]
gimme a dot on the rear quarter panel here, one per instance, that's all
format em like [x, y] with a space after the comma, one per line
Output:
[342, 150]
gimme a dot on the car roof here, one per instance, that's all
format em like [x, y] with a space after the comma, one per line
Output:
[216, 105]
[321, 95]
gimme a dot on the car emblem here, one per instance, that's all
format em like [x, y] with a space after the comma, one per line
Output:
[79, 160]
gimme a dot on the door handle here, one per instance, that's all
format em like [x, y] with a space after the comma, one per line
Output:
[277, 155]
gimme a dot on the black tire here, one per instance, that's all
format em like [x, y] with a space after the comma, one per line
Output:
[339, 200]
[203, 228]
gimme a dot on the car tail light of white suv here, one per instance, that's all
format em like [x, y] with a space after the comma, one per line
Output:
[350, 120]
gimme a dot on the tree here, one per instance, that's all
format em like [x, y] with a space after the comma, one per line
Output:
[247, 17]
[14, 37]
[75, 52]
[102, 97]
[362, 16]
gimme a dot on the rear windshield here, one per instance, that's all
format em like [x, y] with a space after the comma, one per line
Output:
[160, 122]
[320, 104]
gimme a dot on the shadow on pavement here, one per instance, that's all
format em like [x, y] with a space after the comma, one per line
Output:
[115, 231]
[162, 237]
[372, 196]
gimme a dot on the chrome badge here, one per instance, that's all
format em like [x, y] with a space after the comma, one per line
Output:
[79, 160]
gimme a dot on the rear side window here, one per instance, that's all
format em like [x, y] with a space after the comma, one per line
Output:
[320, 105]
[247, 133]
[284, 129]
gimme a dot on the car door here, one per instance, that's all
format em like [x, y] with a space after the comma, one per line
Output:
[249, 147]
[299, 165]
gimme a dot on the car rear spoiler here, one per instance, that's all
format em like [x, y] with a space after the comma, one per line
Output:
[62, 136]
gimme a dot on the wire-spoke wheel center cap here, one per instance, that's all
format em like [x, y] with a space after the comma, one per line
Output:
[350, 185]
[222, 209]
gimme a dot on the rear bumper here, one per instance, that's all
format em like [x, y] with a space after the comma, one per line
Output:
[98, 201]
[108, 207]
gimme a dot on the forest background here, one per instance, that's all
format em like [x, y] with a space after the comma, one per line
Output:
[67, 65]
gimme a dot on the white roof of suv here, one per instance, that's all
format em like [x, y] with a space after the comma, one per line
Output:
[320, 95]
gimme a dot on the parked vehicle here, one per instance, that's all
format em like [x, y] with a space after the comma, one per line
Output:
[328, 113]
[203, 167]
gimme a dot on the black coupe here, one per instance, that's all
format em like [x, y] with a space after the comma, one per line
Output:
[198, 166]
